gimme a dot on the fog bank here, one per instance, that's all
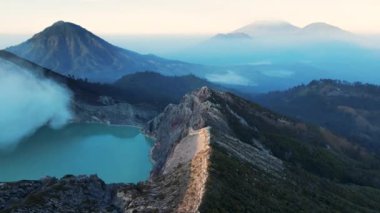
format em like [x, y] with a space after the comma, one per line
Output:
[28, 102]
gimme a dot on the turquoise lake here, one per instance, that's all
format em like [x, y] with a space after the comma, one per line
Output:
[117, 154]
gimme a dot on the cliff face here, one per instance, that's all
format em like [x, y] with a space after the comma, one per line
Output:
[178, 120]
[200, 109]
[184, 133]
[181, 184]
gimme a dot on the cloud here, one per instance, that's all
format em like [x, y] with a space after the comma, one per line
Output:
[278, 73]
[229, 77]
[28, 102]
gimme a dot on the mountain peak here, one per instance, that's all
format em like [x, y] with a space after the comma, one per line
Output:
[63, 28]
[321, 25]
[262, 28]
[59, 23]
[68, 49]
[321, 28]
[63, 23]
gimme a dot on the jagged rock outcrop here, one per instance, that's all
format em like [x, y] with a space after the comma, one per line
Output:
[200, 109]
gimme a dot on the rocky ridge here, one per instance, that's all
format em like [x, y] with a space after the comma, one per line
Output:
[178, 182]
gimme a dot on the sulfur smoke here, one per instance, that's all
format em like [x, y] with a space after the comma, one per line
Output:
[28, 102]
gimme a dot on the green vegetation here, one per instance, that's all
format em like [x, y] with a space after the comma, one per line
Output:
[157, 89]
[349, 109]
[236, 186]
[322, 174]
[306, 149]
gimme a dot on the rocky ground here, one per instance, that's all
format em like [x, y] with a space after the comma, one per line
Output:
[69, 194]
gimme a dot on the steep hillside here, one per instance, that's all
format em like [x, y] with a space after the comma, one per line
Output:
[92, 102]
[72, 50]
[157, 89]
[350, 109]
[216, 152]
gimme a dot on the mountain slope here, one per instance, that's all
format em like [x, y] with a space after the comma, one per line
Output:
[351, 110]
[262, 161]
[157, 89]
[216, 152]
[320, 27]
[92, 102]
[83, 91]
[72, 50]
[320, 31]
[285, 29]
[231, 36]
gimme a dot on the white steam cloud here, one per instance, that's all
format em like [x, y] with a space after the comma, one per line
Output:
[28, 102]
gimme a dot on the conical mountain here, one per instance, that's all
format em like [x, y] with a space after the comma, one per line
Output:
[70, 49]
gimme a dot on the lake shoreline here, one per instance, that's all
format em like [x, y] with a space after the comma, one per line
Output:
[86, 135]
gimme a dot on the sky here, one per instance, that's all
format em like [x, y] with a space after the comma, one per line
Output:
[184, 16]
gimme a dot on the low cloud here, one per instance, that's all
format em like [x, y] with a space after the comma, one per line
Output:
[28, 102]
[229, 77]
[278, 73]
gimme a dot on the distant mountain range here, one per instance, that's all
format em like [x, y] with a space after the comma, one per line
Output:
[280, 28]
[240, 58]
[350, 109]
[278, 55]
[265, 28]
[72, 50]
[280, 31]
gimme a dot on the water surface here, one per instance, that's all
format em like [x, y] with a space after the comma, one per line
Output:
[115, 153]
